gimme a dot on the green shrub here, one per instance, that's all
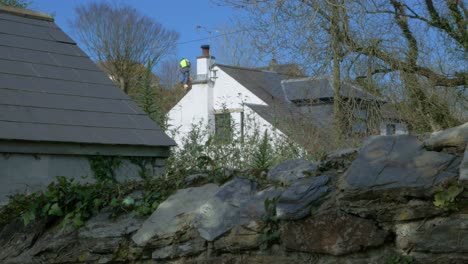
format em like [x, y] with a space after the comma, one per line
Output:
[73, 203]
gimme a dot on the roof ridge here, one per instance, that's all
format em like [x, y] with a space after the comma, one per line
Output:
[250, 69]
[241, 68]
[26, 13]
[302, 79]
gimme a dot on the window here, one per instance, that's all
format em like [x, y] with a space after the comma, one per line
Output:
[391, 129]
[223, 127]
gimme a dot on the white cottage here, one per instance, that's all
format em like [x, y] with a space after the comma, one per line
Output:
[272, 100]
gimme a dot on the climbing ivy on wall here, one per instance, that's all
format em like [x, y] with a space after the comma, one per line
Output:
[104, 167]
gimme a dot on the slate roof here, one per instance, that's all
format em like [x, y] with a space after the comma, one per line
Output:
[279, 91]
[264, 84]
[316, 88]
[50, 90]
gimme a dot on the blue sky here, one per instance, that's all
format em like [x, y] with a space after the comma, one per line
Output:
[182, 16]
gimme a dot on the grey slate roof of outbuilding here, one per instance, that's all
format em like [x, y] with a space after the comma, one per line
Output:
[50, 90]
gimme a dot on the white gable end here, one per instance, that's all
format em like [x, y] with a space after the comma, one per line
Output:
[204, 100]
[229, 93]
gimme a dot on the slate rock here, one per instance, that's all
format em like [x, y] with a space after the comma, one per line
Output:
[175, 214]
[222, 211]
[249, 259]
[296, 201]
[254, 208]
[58, 245]
[464, 166]
[195, 178]
[339, 160]
[103, 226]
[289, 171]
[452, 137]
[242, 237]
[389, 162]
[384, 211]
[332, 233]
[185, 249]
[438, 235]
[448, 258]
[15, 238]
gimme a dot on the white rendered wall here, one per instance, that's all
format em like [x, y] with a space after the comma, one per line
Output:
[231, 94]
[192, 109]
[200, 104]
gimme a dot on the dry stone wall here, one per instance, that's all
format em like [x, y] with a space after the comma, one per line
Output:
[374, 205]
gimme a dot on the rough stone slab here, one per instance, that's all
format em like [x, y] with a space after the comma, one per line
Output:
[15, 238]
[296, 201]
[194, 178]
[254, 208]
[246, 259]
[58, 245]
[387, 162]
[292, 170]
[464, 166]
[174, 214]
[390, 211]
[222, 212]
[240, 238]
[102, 226]
[379, 255]
[439, 235]
[338, 160]
[180, 250]
[333, 233]
[452, 137]
[428, 258]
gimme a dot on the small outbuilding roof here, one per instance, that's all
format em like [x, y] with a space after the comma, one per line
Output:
[51, 91]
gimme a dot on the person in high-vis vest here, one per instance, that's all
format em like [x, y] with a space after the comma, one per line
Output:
[185, 70]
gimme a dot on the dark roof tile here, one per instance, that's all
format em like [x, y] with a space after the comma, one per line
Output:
[50, 91]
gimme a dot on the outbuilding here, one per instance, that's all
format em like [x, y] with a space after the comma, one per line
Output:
[60, 114]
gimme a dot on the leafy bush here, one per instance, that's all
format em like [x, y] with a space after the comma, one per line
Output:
[270, 233]
[73, 203]
[201, 152]
[262, 157]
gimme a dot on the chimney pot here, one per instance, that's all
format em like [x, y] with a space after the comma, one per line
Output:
[205, 51]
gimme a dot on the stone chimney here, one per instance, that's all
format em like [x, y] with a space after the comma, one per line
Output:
[204, 63]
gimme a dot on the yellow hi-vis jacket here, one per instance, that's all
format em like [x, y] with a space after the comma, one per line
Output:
[184, 63]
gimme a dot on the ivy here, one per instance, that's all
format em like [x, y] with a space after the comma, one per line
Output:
[142, 163]
[70, 203]
[104, 167]
[446, 198]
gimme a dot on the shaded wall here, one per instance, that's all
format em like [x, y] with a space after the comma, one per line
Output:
[25, 173]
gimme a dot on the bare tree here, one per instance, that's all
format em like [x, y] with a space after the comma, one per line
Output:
[169, 73]
[15, 3]
[235, 46]
[384, 44]
[122, 39]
